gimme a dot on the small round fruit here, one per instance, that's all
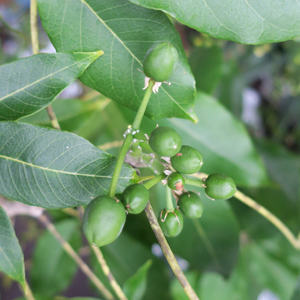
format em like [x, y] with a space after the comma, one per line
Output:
[160, 61]
[165, 141]
[135, 198]
[176, 181]
[187, 161]
[103, 220]
[190, 204]
[219, 187]
[172, 224]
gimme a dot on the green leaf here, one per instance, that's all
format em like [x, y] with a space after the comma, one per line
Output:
[256, 271]
[52, 268]
[124, 32]
[282, 166]
[213, 286]
[246, 22]
[11, 255]
[206, 64]
[53, 169]
[30, 84]
[71, 114]
[296, 293]
[135, 287]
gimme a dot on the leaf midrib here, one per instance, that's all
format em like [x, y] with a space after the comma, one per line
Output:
[39, 80]
[55, 171]
[114, 34]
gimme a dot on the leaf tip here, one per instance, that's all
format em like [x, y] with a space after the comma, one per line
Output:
[99, 53]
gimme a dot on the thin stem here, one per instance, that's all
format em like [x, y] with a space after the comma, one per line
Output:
[194, 182]
[82, 265]
[266, 213]
[52, 117]
[169, 202]
[129, 138]
[148, 185]
[34, 27]
[27, 292]
[108, 274]
[36, 49]
[111, 145]
[269, 216]
[168, 253]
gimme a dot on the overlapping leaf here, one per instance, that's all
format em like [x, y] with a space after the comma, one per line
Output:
[53, 169]
[242, 21]
[29, 84]
[124, 32]
[11, 255]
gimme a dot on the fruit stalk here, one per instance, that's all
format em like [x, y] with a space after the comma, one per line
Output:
[194, 182]
[169, 202]
[129, 138]
[168, 253]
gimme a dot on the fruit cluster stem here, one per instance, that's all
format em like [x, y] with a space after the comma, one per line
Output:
[129, 138]
[168, 253]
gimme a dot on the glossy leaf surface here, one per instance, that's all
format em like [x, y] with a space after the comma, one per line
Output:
[29, 84]
[53, 169]
[246, 22]
[124, 32]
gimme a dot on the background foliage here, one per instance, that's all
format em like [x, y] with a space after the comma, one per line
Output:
[246, 101]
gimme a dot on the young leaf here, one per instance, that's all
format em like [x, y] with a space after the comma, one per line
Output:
[53, 169]
[245, 22]
[135, 287]
[11, 255]
[124, 32]
[29, 84]
[52, 268]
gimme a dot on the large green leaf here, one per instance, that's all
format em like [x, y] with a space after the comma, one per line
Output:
[135, 287]
[53, 169]
[124, 32]
[246, 22]
[11, 255]
[29, 84]
[52, 268]
[206, 64]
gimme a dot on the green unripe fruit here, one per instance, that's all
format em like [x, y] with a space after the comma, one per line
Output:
[172, 224]
[159, 61]
[176, 181]
[103, 220]
[219, 187]
[165, 141]
[135, 198]
[190, 204]
[187, 161]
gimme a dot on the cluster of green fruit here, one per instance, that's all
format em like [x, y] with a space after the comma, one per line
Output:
[104, 217]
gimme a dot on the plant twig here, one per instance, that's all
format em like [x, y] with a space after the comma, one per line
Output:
[169, 254]
[82, 265]
[114, 284]
[52, 117]
[36, 49]
[266, 213]
[129, 138]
